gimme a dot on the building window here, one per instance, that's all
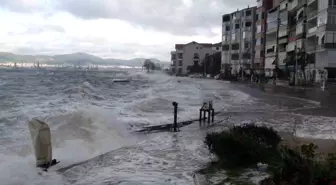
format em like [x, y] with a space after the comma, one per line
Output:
[226, 47]
[246, 55]
[224, 38]
[248, 13]
[180, 63]
[237, 26]
[246, 45]
[217, 48]
[227, 28]
[248, 24]
[196, 56]
[258, 28]
[235, 46]
[233, 36]
[262, 53]
[332, 2]
[180, 71]
[226, 18]
[270, 50]
[235, 56]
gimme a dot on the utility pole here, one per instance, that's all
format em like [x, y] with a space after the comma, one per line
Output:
[240, 44]
[277, 41]
[296, 66]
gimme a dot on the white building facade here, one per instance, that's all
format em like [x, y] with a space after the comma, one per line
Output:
[321, 36]
[186, 55]
[238, 40]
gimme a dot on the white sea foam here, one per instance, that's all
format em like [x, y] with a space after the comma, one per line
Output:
[86, 126]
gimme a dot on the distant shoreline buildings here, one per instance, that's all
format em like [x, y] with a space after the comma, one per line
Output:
[276, 37]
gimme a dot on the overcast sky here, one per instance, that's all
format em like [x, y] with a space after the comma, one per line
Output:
[110, 28]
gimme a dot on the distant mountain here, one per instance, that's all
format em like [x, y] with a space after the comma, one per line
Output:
[82, 59]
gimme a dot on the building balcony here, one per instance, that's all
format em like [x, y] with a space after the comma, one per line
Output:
[299, 29]
[235, 51]
[270, 54]
[283, 6]
[247, 18]
[291, 46]
[281, 57]
[292, 5]
[283, 41]
[320, 47]
[310, 2]
[312, 14]
[246, 61]
[283, 32]
[270, 42]
[312, 30]
[271, 30]
[300, 43]
[310, 48]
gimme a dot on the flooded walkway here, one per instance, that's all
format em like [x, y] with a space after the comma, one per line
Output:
[171, 158]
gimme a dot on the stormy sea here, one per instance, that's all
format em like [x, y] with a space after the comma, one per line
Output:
[93, 118]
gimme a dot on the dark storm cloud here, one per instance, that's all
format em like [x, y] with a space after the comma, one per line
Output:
[164, 15]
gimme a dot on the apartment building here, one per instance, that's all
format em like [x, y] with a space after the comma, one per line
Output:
[271, 57]
[263, 6]
[321, 36]
[238, 35]
[186, 55]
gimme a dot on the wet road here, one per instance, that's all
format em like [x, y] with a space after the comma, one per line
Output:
[279, 94]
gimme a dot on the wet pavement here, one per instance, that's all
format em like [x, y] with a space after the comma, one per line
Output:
[326, 99]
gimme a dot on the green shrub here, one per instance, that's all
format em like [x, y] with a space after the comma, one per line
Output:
[244, 145]
[302, 167]
[261, 134]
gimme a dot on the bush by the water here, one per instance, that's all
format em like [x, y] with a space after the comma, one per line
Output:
[245, 146]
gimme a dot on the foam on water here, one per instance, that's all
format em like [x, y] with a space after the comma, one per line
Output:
[90, 115]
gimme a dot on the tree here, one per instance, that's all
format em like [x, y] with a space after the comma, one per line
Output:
[148, 65]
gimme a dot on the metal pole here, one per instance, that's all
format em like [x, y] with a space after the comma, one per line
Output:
[277, 41]
[240, 45]
[296, 64]
[175, 116]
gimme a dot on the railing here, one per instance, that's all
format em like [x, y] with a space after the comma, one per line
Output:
[312, 30]
[292, 5]
[299, 29]
[310, 48]
[311, 14]
[320, 47]
[310, 1]
[270, 43]
[271, 30]
[290, 46]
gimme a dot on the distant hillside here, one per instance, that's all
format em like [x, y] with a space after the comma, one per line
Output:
[83, 59]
